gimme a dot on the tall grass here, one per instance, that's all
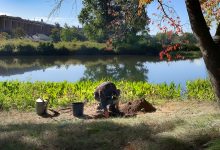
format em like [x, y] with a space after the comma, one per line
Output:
[22, 95]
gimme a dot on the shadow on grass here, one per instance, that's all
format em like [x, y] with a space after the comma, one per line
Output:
[104, 134]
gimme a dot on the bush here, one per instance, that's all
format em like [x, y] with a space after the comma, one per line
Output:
[26, 50]
[7, 49]
[13, 94]
[189, 47]
[4, 36]
[200, 89]
[137, 49]
[46, 48]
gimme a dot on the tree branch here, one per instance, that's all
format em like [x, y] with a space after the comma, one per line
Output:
[166, 15]
[199, 25]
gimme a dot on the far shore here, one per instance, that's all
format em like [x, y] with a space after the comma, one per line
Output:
[24, 47]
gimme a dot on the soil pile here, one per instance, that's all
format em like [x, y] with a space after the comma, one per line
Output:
[131, 108]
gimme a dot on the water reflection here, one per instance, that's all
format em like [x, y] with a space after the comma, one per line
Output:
[133, 68]
[117, 69]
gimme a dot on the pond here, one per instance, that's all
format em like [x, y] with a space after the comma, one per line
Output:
[133, 68]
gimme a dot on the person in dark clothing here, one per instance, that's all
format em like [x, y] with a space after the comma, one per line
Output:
[107, 94]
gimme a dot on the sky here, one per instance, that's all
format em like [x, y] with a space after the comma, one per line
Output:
[70, 9]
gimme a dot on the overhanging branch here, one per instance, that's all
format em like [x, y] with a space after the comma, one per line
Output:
[176, 25]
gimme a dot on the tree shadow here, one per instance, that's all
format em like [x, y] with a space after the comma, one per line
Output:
[81, 134]
[51, 114]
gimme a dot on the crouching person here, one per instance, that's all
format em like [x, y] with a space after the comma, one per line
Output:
[107, 94]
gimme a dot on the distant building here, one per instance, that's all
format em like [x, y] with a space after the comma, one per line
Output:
[9, 23]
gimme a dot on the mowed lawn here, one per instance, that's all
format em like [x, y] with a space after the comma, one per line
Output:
[174, 126]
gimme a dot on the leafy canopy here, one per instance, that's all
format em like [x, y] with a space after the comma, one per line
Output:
[116, 19]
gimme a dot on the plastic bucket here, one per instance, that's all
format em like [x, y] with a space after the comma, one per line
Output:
[78, 109]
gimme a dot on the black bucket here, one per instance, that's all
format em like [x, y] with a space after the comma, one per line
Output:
[78, 109]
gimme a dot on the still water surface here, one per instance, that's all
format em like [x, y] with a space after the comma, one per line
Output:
[133, 68]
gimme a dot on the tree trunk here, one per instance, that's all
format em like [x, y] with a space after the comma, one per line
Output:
[210, 50]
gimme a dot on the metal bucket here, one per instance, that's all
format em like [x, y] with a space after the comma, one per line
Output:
[41, 107]
[78, 109]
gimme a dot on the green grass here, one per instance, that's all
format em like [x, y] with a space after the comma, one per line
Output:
[76, 45]
[188, 127]
[213, 144]
[28, 47]
[13, 94]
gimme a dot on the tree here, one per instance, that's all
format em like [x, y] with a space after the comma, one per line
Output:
[209, 46]
[188, 38]
[167, 37]
[55, 33]
[102, 19]
[70, 33]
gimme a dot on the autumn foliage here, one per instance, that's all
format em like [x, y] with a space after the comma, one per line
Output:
[211, 11]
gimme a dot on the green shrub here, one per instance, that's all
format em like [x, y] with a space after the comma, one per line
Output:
[26, 50]
[200, 89]
[13, 94]
[46, 48]
[7, 49]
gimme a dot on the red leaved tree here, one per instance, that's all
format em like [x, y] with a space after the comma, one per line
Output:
[201, 15]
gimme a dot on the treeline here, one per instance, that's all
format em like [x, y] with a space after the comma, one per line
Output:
[76, 41]
[144, 45]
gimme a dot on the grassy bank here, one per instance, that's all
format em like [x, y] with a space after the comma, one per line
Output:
[28, 47]
[174, 126]
[13, 94]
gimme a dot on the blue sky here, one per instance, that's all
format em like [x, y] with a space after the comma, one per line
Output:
[40, 9]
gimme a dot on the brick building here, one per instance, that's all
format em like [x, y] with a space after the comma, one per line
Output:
[8, 23]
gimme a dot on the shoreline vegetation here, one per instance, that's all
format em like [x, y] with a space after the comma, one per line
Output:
[14, 95]
[25, 47]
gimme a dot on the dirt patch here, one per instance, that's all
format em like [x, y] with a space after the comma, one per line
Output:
[131, 108]
[169, 109]
[128, 110]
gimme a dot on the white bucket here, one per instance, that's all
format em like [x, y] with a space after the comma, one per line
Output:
[41, 106]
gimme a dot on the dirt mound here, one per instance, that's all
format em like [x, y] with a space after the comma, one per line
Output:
[131, 108]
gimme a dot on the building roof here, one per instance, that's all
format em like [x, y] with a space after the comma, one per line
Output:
[25, 20]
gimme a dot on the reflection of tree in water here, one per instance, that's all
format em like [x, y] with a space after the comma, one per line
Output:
[133, 71]
[122, 67]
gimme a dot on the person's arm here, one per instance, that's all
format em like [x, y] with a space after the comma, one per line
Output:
[104, 104]
[106, 113]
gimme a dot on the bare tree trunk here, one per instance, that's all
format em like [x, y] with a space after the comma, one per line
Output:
[210, 50]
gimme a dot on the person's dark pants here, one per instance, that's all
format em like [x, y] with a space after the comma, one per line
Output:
[112, 105]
